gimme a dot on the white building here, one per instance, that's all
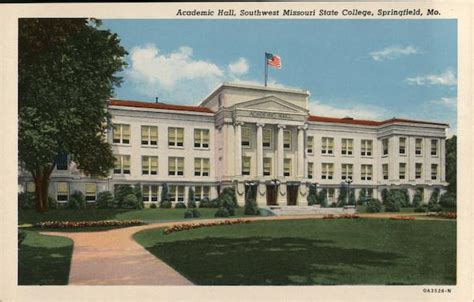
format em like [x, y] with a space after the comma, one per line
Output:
[243, 136]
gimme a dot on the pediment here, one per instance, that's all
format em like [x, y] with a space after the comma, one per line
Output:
[271, 103]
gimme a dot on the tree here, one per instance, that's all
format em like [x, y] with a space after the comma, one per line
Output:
[66, 74]
[312, 195]
[191, 198]
[451, 168]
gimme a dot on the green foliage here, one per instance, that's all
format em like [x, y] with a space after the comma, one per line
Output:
[66, 74]
[26, 200]
[180, 205]
[188, 214]
[131, 202]
[21, 237]
[191, 198]
[52, 203]
[323, 198]
[363, 198]
[205, 203]
[222, 212]
[393, 201]
[417, 198]
[434, 196]
[434, 207]
[230, 193]
[451, 165]
[312, 195]
[196, 213]
[105, 200]
[384, 194]
[137, 190]
[374, 205]
[421, 209]
[448, 200]
[123, 200]
[400, 195]
[121, 191]
[164, 195]
[153, 206]
[165, 204]
[76, 201]
[250, 207]
[342, 197]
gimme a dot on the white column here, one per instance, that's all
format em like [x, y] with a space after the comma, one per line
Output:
[238, 148]
[301, 158]
[260, 149]
[280, 151]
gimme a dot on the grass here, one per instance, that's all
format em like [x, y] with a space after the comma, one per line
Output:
[146, 215]
[312, 252]
[44, 260]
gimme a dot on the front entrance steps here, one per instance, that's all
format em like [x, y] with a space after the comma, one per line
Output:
[309, 210]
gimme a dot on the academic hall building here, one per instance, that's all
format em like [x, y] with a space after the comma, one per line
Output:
[262, 138]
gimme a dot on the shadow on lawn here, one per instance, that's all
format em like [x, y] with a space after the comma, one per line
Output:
[266, 261]
[44, 266]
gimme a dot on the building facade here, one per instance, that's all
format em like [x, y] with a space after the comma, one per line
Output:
[259, 138]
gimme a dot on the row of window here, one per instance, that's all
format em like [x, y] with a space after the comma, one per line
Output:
[149, 136]
[150, 165]
[402, 146]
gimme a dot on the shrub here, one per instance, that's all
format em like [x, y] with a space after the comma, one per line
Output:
[230, 192]
[312, 195]
[394, 200]
[400, 196]
[384, 195]
[196, 213]
[323, 198]
[52, 203]
[434, 196]
[251, 207]
[76, 201]
[421, 209]
[417, 198]
[180, 205]
[374, 206]
[137, 190]
[214, 203]
[131, 202]
[434, 207]
[164, 200]
[21, 237]
[333, 205]
[205, 203]
[26, 200]
[188, 214]
[191, 200]
[342, 197]
[227, 202]
[448, 200]
[222, 212]
[120, 193]
[153, 206]
[105, 200]
[165, 204]
[363, 199]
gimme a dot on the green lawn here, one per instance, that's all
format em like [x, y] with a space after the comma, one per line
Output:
[312, 252]
[44, 260]
[146, 215]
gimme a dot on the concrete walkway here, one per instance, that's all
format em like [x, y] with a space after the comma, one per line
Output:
[113, 257]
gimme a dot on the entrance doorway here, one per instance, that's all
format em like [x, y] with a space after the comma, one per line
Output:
[272, 190]
[292, 194]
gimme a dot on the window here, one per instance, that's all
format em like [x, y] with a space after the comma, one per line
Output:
[121, 134]
[347, 146]
[122, 164]
[176, 193]
[402, 145]
[418, 170]
[402, 167]
[91, 190]
[201, 192]
[267, 138]
[385, 146]
[149, 135]
[327, 145]
[346, 172]
[331, 194]
[287, 167]
[201, 138]
[287, 139]
[246, 165]
[366, 172]
[149, 165]
[150, 193]
[30, 187]
[267, 166]
[310, 145]
[418, 146]
[201, 166]
[310, 170]
[434, 147]
[175, 137]
[245, 137]
[62, 192]
[366, 147]
[434, 171]
[61, 161]
[176, 166]
[327, 171]
[385, 171]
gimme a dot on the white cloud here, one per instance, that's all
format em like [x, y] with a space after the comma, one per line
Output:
[239, 67]
[449, 102]
[393, 52]
[355, 111]
[448, 78]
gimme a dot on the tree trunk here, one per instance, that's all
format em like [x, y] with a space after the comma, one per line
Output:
[42, 187]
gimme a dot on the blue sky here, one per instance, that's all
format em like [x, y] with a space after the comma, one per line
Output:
[373, 69]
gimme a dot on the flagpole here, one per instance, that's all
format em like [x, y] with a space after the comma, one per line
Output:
[266, 70]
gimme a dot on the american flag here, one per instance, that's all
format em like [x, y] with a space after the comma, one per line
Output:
[273, 60]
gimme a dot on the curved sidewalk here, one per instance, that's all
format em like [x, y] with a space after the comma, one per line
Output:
[113, 257]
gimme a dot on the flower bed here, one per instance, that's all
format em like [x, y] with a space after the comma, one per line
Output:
[329, 216]
[81, 224]
[447, 215]
[402, 218]
[342, 216]
[190, 226]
